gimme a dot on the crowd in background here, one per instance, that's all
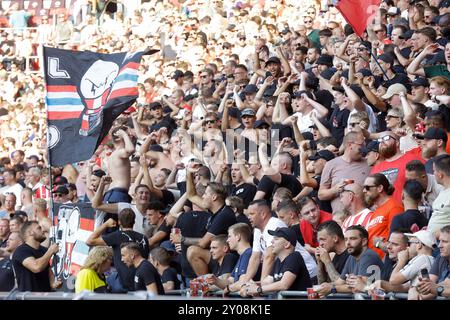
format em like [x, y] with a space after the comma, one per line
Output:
[269, 149]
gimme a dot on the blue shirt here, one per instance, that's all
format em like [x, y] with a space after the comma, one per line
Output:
[241, 265]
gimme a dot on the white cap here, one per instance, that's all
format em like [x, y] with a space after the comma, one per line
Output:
[424, 236]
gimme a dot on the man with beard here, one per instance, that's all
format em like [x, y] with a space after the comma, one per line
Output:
[377, 194]
[361, 264]
[331, 240]
[350, 165]
[7, 278]
[434, 143]
[393, 167]
[31, 260]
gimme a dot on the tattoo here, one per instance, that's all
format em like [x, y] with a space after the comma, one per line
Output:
[331, 270]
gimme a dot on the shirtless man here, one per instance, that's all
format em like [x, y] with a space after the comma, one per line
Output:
[119, 165]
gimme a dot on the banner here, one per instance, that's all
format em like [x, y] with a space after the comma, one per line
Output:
[86, 92]
[358, 13]
[73, 224]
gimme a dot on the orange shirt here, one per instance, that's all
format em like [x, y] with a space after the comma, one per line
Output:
[380, 222]
[447, 148]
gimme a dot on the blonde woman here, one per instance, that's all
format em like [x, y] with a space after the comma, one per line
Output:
[91, 275]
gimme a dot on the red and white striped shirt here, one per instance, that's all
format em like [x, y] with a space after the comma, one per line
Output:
[362, 218]
[42, 193]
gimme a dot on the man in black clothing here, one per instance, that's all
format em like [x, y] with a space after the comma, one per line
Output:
[287, 211]
[221, 219]
[239, 188]
[115, 239]
[222, 261]
[278, 175]
[160, 259]
[147, 277]
[31, 260]
[339, 116]
[289, 270]
[7, 278]
[412, 219]
[331, 239]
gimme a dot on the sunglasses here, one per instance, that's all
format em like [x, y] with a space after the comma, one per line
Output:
[367, 188]
[242, 39]
[307, 21]
[389, 116]
[203, 76]
[210, 121]
[385, 138]
[378, 31]
[58, 195]
[353, 124]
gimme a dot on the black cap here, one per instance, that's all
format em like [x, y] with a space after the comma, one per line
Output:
[233, 112]
[371, 146]
[325, 59]
[420, 82]
[307, 135]
[156, 148]
[99, 173]
[250, 88]
[328, 73]
[339, 89]
[177, 74]
[434, 133]
[323, 154]
[407, 35]
[286, 233]
[60, 180]
[248, 112]
[365, 72]
[260, 123]
[62, 190]
[155, 105]
[386, 58]
[273, 60]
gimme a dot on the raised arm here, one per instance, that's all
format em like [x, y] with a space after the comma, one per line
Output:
[97, 202]
[414, 68]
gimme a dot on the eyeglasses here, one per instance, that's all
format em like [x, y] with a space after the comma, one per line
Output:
[242, 39]
[307, 21]
[210, 121]
[411, 242]
[385, 138]
[58, 195]
[367, 188]
[378, 31]
[390, 116]
[353, 124]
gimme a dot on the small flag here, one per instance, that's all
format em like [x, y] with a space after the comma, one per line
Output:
[358, 13]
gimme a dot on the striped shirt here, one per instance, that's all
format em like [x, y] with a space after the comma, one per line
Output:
[361, 218]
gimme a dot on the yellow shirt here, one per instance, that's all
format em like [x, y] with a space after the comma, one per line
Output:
[88, 279]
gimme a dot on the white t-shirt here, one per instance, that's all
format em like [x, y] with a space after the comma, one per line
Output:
[261, 241]
[372, 118]
[140, 219]
[412, 270]
[17, 190]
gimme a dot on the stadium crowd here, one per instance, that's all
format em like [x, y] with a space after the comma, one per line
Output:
[269, 149]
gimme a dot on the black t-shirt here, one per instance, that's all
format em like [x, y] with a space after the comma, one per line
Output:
[339, 261]
[27, 280]
[192, 225]
[287, 180]
[324, 205]
[410, 219]
[242, 218]
[244, 191]
[388, 267]
[146, 274]
[166, 229]
[170, 274]
[227, 266]
[406, 52]
[114, 240]
[399, 78]
[6, 275]
[3, 243]
[168, 197]
[293, 263]
[298, 232]
[338, 123]
[220, 222]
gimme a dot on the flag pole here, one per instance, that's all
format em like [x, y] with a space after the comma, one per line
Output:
[375, 58]
[52, 235]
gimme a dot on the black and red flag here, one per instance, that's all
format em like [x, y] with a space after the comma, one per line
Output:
[86, 92]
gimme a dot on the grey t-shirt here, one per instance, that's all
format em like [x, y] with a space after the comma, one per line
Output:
[368, 265]
[440, 268]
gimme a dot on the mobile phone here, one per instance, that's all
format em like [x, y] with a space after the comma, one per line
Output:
[424, 273]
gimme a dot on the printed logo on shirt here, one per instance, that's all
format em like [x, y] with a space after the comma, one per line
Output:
[239, 191]
[391, 174]
[277, 277]
[136, 279]
[375, 221]
[335, 122]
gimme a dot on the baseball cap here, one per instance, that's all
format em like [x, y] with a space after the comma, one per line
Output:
[407, 35]
[260, 123]
[155, 105]
[325, 59]
[433, 133]
[61, 189]
[99, 173]
[60, 180]
[371, 146]
[386, 58]
[395, 88]
[250, 88]
[273, 60]
[286, 233]
[424, 236]
[395, 112]
[322, 154]
[177, 74]
[156, 148]
[248, 112]
[365, 72]
[420, 82]
[393, 11]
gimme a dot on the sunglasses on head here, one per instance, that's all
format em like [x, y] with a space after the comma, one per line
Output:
[385, 138]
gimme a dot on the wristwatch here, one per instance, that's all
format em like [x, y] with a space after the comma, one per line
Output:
[440, 291]
[259, 290]
[333, 289]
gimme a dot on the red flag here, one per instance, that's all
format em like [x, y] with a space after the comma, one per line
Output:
[358, 13]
